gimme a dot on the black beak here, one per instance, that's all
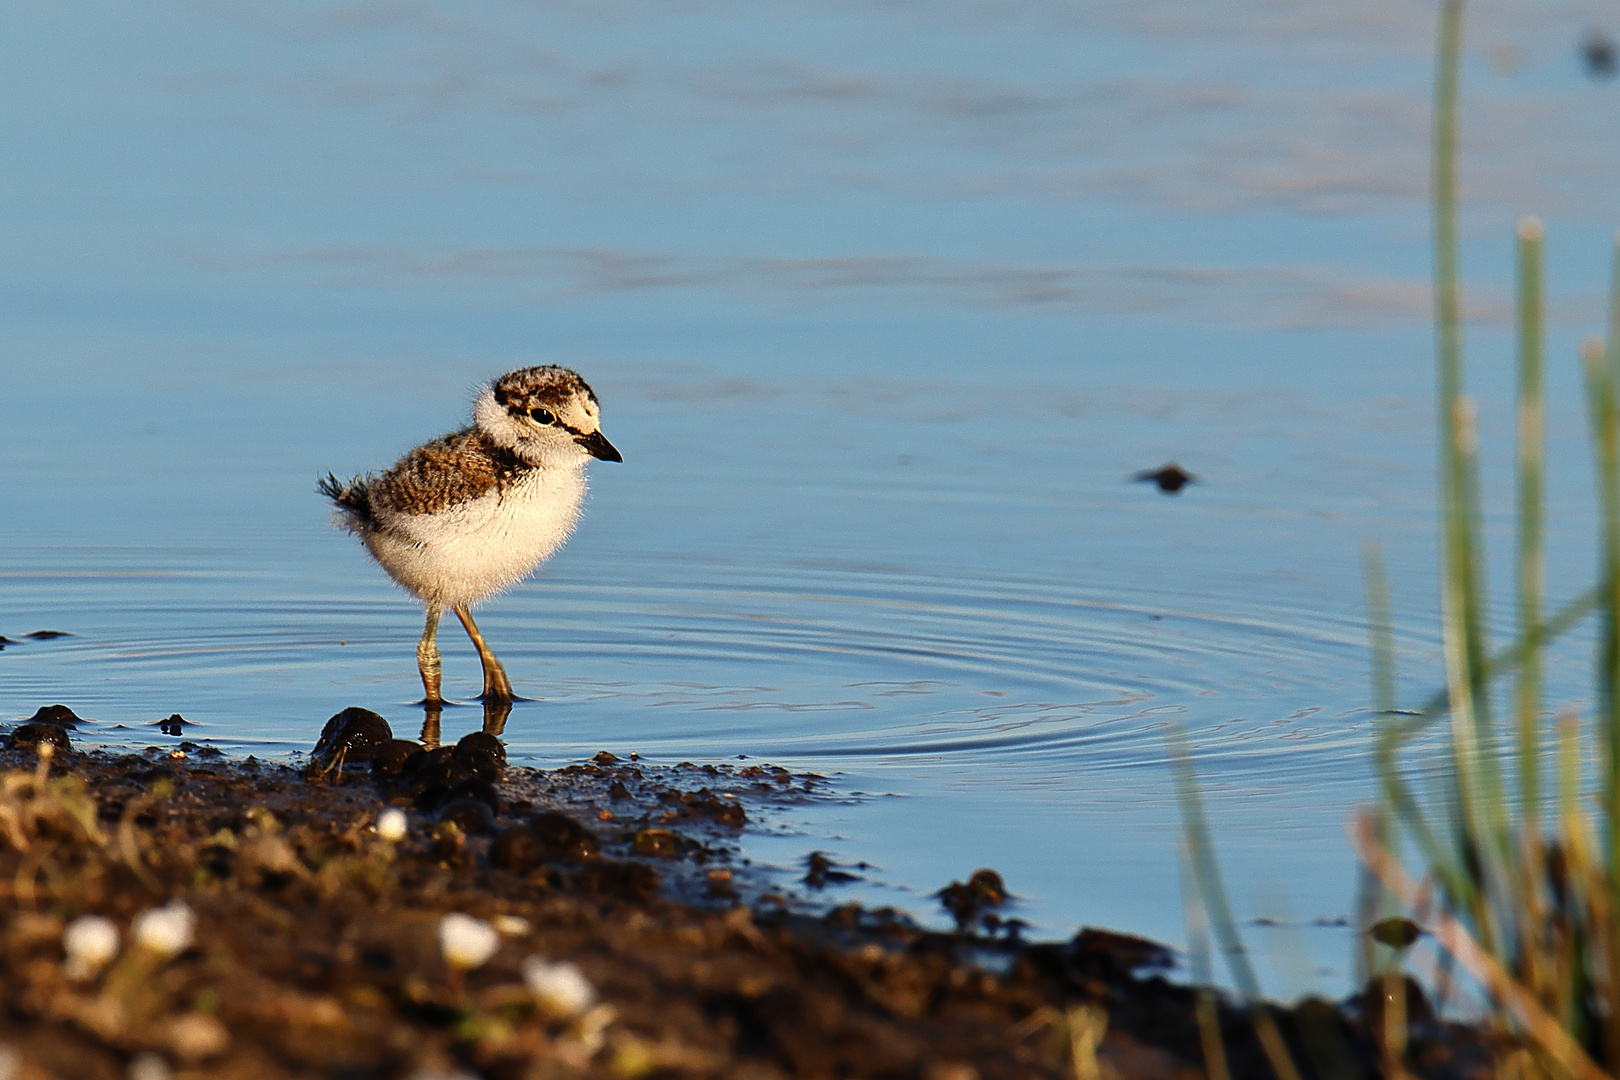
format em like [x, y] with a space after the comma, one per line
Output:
[598, 447]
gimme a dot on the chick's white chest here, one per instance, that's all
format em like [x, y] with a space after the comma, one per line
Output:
[470, 550]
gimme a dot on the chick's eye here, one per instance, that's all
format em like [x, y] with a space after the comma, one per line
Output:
[542, 416]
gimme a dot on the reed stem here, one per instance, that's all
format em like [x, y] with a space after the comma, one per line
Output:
[1206, 873]
[1530, 513]
[1459, 558]
[1600, 392]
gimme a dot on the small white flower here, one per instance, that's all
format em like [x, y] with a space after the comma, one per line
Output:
[561, 987]
[167, 930]
[149, 1066]
[391, 825]
[90, 941]
[467, 942]
[512, 925]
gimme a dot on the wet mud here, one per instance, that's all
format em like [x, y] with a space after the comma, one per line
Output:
[399, 908]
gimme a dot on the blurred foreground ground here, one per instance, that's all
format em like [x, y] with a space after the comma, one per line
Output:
[318, 947]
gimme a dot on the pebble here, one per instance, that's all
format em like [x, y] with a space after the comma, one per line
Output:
[60, 715]
[391, 757]
[659, 843]
[562, 837]
[352, 734]
[31, 735]
[470, 815]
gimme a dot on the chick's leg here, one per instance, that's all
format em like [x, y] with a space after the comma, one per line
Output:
[496, 685]
[427, 656]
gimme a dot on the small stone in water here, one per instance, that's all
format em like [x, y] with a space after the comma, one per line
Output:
[822, 871]
[467, 942]
[481, 742]
[60, 715]
[968, 903]
[476, 760]
[352, 734]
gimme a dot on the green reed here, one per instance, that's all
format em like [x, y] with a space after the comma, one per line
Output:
[1528, 907]
[1527, 903]
[1208, 906]
[1531, 507]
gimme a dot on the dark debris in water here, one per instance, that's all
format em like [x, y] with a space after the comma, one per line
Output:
[317, 947]
[821, 871]
[1169, 478]
[1600, 56]
[47, 635]
[971, 903]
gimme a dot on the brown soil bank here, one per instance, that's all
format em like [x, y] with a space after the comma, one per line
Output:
[306, 943]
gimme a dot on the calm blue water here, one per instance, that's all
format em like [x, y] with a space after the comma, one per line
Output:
[883, 301]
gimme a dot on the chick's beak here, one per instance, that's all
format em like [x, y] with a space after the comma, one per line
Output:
[598, 447]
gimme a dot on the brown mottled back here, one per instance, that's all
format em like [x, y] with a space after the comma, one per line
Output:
[456, 468]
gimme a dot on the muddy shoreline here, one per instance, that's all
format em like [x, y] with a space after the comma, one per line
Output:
[318, 944]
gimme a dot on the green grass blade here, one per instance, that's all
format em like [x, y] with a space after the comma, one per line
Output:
[1530, 514]
[1207, 874]
[1201, 855]
[1403, 803]
[1199, 962]
[1606, 446]
[1443, 191]
[1459, 556]
[1509, 659]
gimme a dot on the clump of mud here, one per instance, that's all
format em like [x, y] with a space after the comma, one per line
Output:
[395, 911]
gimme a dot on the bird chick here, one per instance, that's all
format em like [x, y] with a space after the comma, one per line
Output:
[474, 512]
